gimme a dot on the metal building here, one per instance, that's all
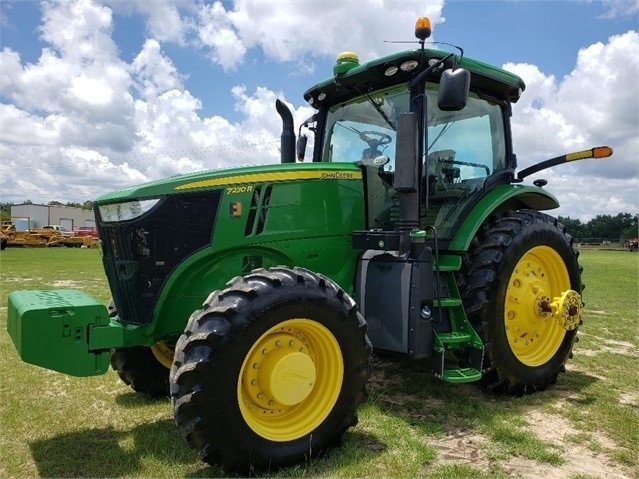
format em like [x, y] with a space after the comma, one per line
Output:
[28, 216]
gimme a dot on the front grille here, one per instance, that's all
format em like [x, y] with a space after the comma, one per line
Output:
[139, 255]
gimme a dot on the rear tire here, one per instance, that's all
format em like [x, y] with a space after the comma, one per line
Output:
[270, 371]
[516, 261]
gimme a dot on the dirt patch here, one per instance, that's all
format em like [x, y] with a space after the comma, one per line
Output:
[584, 454]
[66, 284]
[580, 458]
[466, 447]
[620, 347]
[629, 399]
[461, 447]
[19, 280]
[623, 348]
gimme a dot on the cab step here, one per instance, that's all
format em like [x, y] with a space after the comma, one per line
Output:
[455, 338]
[452, 333]
[465, 341]
[447, 302]
[461, 375]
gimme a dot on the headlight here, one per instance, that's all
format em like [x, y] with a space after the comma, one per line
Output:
[125, 211]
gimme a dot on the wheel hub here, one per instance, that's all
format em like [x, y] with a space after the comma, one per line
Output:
[282, 373]
[163, 353]
[287, 376]
[565, 309]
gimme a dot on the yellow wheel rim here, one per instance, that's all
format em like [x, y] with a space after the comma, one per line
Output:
[163, 353]
[533, 334]
[290, 380]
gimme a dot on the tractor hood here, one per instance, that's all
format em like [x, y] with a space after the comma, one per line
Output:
[196, 182]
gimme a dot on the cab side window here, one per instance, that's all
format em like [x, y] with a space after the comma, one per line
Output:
[464, 147]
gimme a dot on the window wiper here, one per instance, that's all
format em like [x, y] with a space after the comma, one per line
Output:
[377, 107]
[444, 129]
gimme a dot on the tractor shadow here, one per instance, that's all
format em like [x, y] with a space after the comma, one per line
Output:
[399, 385]
[107, 452]
[111, 452]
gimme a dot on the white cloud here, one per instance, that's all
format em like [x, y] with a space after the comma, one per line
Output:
[164, 19]
[154, 73]
[596, 104]
[620, 8]
[584, 197]
[78, 29]
[291, 31]
[18, 127]
[217, 33]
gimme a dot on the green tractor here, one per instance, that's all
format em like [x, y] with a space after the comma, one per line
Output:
[253, 297]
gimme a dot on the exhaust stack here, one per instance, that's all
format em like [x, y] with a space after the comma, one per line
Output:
[287, 140]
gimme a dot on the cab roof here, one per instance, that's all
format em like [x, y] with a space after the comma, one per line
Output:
[369, 76]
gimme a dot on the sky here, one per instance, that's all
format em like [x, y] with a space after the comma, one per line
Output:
[97, 95]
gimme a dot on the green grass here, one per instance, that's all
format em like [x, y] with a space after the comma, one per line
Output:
[412, 426]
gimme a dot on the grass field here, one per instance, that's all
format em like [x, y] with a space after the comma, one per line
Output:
[412, 426]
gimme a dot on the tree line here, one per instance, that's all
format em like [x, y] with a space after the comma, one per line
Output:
[622, 227]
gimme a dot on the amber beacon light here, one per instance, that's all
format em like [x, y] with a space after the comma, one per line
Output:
[422, 28]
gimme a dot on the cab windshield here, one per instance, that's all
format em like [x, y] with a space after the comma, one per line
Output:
[462, 148]
[470, 140]
[364, 128]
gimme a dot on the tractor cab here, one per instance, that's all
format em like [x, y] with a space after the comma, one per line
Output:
[463, 144]
[461, 151]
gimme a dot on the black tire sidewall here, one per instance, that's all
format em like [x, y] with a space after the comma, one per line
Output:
[531, 235]
[217, 397]
[138, 368]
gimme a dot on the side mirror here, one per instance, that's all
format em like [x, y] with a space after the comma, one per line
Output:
[301, 147]
[453, 89]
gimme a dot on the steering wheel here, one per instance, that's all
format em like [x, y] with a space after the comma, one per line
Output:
[375, 139]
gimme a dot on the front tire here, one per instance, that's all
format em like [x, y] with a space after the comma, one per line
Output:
[270, 371]
[144, 369]
[520, 287]
[139, 368]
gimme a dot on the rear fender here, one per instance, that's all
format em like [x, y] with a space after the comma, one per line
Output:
[499, 199]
